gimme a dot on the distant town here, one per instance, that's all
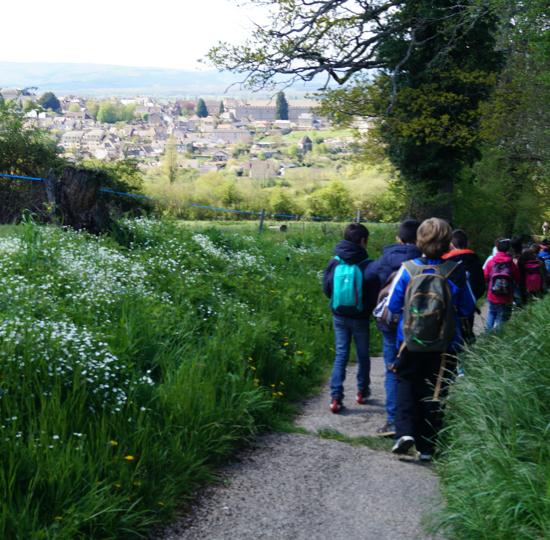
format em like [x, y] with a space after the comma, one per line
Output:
[206, 134]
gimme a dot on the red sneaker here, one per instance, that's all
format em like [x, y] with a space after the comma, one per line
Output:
[362, 397]
[336, 405]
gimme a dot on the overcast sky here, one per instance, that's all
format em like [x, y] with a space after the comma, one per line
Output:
[161, 33]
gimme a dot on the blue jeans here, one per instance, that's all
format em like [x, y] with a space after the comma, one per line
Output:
[498, 313]
[344, 329]
[389, 348]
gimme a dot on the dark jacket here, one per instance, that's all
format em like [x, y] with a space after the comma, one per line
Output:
[391, 259]
[472, 265]
[353, 253]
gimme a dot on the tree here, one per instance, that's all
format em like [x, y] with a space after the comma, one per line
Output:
[513, 172]
[74, 107]
[281, 107]
[221, 110]
[201, 109]
[25, 149]
[92, 108]
[170, 160]
[435, 62]
[49, 100]
[332, 201]
[107, 113]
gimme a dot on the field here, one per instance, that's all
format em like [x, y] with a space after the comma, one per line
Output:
[133, 364]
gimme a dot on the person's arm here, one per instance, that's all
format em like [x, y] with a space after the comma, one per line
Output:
[327, 278]
[371, 286]
[487, 270]
[477, 279]
[515, 273]
[465, 301]
[396, 295]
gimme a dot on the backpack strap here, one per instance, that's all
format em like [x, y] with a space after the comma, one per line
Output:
[446, 268]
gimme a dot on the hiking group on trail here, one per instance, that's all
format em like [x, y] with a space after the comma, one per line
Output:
[423, 293]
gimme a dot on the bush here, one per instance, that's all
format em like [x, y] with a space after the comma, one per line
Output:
[494, 468]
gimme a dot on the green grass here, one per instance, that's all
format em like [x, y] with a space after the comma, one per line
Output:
[495, 464]
[130, 368]
[374, 443]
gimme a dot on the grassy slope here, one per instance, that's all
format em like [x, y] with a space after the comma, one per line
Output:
[495, 468]
[127, 373]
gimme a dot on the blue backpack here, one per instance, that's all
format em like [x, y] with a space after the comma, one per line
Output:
[347, 288]
[545, 257]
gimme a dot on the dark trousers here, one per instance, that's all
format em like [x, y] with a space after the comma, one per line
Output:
[417, 414]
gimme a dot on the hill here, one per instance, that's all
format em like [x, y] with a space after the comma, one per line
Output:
[108, 80]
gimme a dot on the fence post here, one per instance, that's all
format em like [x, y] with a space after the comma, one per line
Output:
[358, 217]
[262, 217]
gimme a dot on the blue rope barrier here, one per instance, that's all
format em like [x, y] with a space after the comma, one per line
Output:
[17, 177]
[123, 194]
[205, 207]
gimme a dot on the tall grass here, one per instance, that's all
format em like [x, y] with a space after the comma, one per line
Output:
[129, 368]
[495, 467]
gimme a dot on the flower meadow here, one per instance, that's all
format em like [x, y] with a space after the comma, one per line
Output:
[132, 364]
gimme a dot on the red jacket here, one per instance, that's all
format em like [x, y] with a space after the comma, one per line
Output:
[500, 257]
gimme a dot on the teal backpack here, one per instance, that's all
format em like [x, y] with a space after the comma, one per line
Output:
[347, 289]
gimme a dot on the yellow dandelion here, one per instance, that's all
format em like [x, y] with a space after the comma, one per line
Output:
[129, 457]
[113, 443]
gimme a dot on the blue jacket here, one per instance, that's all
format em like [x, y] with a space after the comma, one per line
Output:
[353, 253]
[391, 259]
[463, 298]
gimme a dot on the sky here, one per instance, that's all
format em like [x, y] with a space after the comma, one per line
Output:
[161, 33]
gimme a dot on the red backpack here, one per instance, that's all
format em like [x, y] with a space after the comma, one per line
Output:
[533, 275]
[501, 279]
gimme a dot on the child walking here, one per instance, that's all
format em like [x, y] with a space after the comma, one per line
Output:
[501, 276]
[353, 297]
[430, 295]
[385, 268]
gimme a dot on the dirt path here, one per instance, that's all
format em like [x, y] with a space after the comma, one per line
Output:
[311, 486]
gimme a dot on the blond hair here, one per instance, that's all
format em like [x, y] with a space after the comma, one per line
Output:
[433, 237]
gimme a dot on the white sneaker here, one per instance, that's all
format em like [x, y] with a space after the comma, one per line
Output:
[403, 444]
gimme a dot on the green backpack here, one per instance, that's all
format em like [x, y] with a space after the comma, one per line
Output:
[347, 289]
[428, 312]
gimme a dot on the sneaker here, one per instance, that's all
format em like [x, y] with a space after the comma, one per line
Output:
[387, 430]
[362, 396]
[403, 444]
[425, 457]
[336, 405]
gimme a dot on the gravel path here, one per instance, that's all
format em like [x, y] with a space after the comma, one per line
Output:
[294, 486]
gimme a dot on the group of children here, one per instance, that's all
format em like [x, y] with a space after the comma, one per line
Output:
[422, 292]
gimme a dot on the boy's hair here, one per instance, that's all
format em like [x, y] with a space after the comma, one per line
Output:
[355, 232]
[459, 239]
[503, 244]
[516, 244]
[407, 231]
[433, 237]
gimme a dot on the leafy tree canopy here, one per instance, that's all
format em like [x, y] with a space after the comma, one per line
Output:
[201, 110]
[419, 68]
[24, 149]
[49, 100]
[281, 107]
